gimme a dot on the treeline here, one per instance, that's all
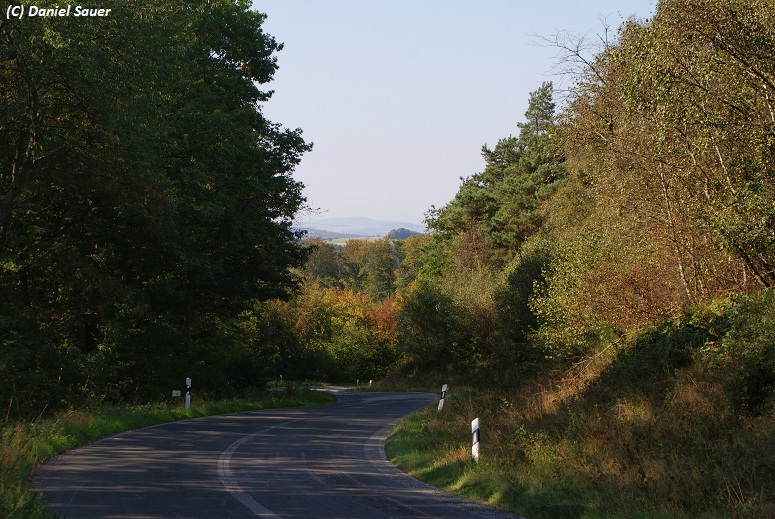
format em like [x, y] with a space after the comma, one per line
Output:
[648, 195]
[145, 202]
[342, 325]
[651, 194]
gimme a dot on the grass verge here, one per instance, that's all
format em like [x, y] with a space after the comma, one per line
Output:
[26, 445]
[672, 424]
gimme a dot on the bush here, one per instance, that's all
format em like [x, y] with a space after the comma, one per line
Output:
[513, 299]
[747, 352]
[431, 330]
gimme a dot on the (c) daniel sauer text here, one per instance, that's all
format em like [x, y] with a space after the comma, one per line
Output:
[33, 11]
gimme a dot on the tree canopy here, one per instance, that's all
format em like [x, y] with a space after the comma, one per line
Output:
[145, 201]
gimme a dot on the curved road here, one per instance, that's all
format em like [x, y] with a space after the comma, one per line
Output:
[312, 462]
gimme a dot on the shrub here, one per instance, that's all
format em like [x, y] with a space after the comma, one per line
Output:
[747, 352]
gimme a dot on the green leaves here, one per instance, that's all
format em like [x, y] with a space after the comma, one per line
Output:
[747, 352]
[500, 204]
[144, 199]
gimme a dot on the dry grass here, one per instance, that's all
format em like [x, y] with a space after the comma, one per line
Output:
[603, 439]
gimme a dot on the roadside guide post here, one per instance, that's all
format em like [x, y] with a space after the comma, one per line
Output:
[188, 392]
[443, 396]
[475, 434]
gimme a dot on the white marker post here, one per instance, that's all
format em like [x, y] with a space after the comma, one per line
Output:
[443, 396]
[475, 434]
[188, 392]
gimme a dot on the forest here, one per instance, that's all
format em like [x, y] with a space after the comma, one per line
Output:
[605, 282]
[145, 203]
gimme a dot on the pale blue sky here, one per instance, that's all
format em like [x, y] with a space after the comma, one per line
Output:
[399, 96]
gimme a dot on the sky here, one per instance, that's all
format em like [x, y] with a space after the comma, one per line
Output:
[398, 96]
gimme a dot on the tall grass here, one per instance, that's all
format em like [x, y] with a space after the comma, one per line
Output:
[24, 445]
[651, 427]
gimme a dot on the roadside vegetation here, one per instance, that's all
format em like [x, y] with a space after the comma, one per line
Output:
[600, 294]
[659, 426]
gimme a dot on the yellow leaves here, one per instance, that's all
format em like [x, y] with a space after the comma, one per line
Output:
[10, 266]
[322, 313]
[675, 129]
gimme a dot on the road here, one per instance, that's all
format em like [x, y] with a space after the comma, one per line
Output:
[313, 462]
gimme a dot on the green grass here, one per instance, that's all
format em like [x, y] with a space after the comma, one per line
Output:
[435, 447]
[26, 445]
[609, 443]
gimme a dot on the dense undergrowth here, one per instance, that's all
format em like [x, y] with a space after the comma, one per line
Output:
[674, 422]
[24, 445]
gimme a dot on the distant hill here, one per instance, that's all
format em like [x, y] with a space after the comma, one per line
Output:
[358, 227]
[338, 238]
[328, 235]
[402, 233]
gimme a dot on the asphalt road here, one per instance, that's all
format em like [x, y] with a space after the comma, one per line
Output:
[313, 462]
